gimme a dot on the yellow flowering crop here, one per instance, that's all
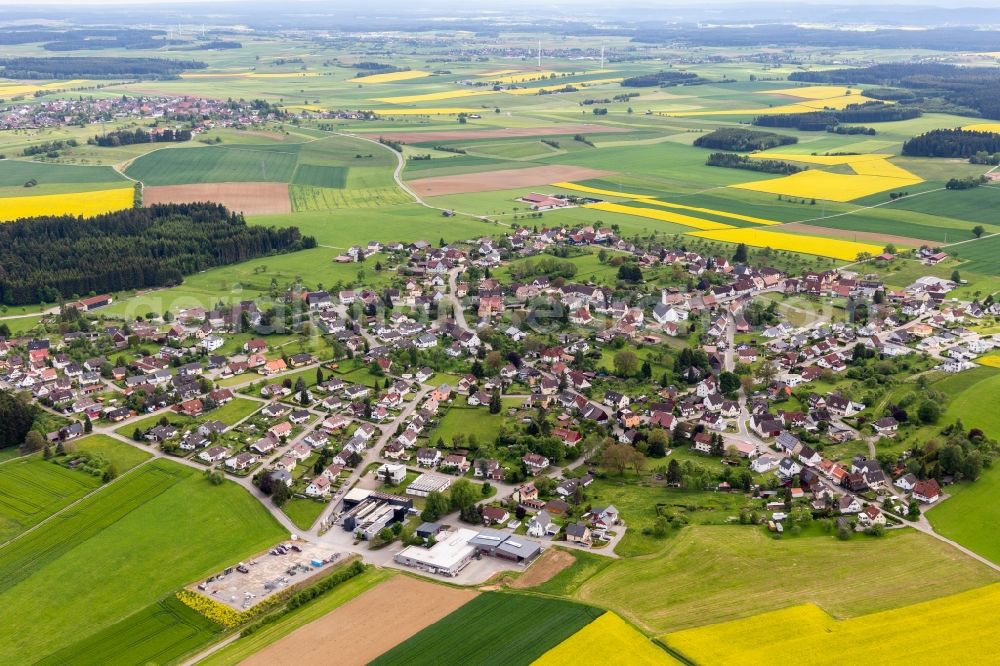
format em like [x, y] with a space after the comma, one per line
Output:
[391, 77]
[824, 160]
[662, 215]
[813, 92]
[598, 190]
[823, 247]
[13, 89]
[710, 211]
[885, 169]
[220, 613]
[608, 639]
[815, 184]
[433, 97]
[443, 111]
[75, 203]
[978, 127]
[957, 629]
[990, 361]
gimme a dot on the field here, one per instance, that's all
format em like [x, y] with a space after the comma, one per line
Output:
[123, 456]
[605, 636]
[465, 420]
[727, 572]
[78, 203]
[349, 632]
[824, 247]
[979, 256]
[127, 546]
[159, 633]
[236, 652]
[215, 164]
[246, 198]
[816, 184]
[508, 627]
[474, 134]
[952, 629]
[503, 179]
[303, 512]
[32, 489]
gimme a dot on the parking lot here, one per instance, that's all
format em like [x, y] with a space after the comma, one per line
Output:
[267, 574]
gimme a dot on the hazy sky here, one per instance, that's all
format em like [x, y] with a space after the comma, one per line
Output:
[608, 6]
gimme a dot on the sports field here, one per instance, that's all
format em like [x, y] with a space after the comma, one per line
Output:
[129, 545]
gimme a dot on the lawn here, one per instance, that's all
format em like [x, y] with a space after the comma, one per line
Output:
[303, 512]
[460, 418]
[965, 515]
[32, 489]
[121, 550]
[123, 456]
[233, 411]
[160, 633]
[509, 628]
[730, 572]
[301, 616]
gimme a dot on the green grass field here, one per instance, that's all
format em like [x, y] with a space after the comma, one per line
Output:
[32, 489]
[244, 647]
[320, 176]
[303, 512]
[233, 411]
[121, 550]
[123, 456]
[964, 515]
[460, 418]
[215, 164]
[159, 633]
[493, 628]
[979, 256]
[15, 173]
[729, 572]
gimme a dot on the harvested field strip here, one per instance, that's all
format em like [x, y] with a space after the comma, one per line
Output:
[603, 192]
[32, 489]
[246, 198]
[350, 633]
[709, 211]
[508, 628]
[662, 215]
[503, 179]
[23, 557]
[544, 568]
[957, 626]
[432, 97]
[607, 635]
[505, 133]
[158, 634]
[816, 184]
[391, 77]
[86, 204]
[823, 247]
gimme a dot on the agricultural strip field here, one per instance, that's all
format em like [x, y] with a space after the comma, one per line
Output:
[815, 184]
[318, 608]
[349, 632]
[729, 572]
[432, 136]
[503, 179]
[953, 629]
[977, 205]
[15, 173]
[32, 489]
[246, 198]
[84, 204]
[159, 633]
[306, 198]
[273, 163]
[869, 236]
[129, 545]
[509, 628]
[979, 256]
[607, 636]
[823, 247]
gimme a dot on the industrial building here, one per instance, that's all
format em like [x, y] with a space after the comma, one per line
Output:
[367, 512]
[447, 557]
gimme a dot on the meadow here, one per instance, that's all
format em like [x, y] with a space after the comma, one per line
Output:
[729, 572]
[32, 489]
[137, 540]
[952, 628]
[465, 420]
[508, 627]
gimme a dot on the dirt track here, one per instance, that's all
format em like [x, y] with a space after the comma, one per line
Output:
[503, 179]
[544, 568]
[247, 198]
[510, 132]
[366, 626]
[847, 234]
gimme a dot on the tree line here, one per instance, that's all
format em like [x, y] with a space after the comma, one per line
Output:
[664, 78]
[952, 143]
[16, 417]
[97, 67]
[820, 121]
[742, 140]
[47, 258]
[736, 161]
[128, 137]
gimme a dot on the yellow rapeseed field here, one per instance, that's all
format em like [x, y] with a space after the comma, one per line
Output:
[813, 92]
[711, 211]
[823, 247]
[608, 639]
[521, 76]
[990, 361]
[391, 77]
[815, 184]
[812, 98]
[662, 215]
[958, 629]
[15, 89]
[983, 127]
[433, 97]
[557, 84]
[598, 190]
[76, 203]
[883, 168]
[825, 160]
[443, 111]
